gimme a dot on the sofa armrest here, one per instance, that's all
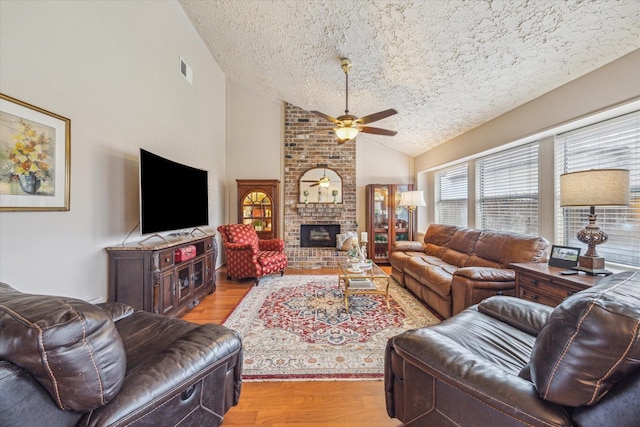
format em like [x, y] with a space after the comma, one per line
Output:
[424, 359]
[528, 316]
[407, 246]
[487, 274]
[276, 245]
[470, 285]
[169, 372]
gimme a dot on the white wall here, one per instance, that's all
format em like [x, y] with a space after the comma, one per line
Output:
[254, 142]
[113, 69]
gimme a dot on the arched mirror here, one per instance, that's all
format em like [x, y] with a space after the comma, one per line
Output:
[320, 185]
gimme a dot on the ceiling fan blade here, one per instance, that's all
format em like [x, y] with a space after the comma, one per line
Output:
[376, 116]
[315, 185]
[326, 117]
[377, 131]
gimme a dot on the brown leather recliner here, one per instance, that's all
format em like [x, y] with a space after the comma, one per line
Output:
[512, 362]
[66, 362]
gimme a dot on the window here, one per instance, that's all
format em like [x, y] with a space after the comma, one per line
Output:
[452, 195]
[613, 143]
[507, 190]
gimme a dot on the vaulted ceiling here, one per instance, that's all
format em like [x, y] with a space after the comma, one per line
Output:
[447, 66]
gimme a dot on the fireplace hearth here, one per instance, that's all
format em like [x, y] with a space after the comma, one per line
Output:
[318, 235]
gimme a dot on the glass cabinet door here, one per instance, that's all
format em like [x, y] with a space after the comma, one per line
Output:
[401, 215]
[257, 211]
[381, 218]
[258, 205]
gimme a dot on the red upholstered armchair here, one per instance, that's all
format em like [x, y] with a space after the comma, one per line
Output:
[248, 256]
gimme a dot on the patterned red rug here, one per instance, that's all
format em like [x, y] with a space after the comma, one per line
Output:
[297, 328]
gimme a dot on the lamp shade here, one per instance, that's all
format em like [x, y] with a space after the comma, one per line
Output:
[412, 198]
[595, 187]
[346, 133]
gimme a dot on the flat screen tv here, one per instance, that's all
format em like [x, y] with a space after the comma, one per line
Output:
[173, 196]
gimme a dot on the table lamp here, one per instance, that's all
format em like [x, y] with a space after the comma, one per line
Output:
[411, 200]
[595, 187]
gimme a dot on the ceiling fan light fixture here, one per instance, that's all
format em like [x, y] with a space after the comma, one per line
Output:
[346, 133]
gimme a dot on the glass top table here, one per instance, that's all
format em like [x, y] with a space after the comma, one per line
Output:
[368, 279]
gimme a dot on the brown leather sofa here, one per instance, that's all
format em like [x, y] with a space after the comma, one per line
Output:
[65, 362]
[511, 362]
[456, 267]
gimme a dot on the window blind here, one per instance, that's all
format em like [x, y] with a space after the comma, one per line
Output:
[452, 193]
[613, 143]
[507, 190]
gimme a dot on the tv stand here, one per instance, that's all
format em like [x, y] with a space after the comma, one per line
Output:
[149, 277]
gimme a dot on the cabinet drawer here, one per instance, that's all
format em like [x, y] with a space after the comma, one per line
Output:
[208, 244]
[533, 294]
[544, 286]
[166, 259]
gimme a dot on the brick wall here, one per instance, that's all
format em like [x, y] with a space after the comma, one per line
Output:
[319, 149]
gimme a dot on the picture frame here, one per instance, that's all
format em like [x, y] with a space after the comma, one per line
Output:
[35, 158]
[564, 256]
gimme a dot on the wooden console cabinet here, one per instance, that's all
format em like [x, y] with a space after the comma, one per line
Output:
[542, 283]
[150, 278]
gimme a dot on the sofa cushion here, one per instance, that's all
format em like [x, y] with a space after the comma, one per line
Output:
[266, 258]
[70, 346]
[433, 271]
[589, 343]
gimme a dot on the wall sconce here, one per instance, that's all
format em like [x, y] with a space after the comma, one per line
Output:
[595, 187]
[411, 200]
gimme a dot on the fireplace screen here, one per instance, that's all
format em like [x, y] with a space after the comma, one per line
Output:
[318, 235]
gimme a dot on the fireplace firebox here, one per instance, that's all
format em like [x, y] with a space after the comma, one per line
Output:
[318, 235]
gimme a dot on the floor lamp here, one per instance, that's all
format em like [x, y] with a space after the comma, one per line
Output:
[411, 200]
[595, 187]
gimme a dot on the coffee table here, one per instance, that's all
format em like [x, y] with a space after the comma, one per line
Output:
[363, 281]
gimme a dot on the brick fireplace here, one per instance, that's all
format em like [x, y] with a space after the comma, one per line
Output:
[319, 149]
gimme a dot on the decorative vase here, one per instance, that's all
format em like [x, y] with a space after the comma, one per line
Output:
[30, 184]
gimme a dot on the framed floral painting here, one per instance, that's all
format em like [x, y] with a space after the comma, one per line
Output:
[34, 158]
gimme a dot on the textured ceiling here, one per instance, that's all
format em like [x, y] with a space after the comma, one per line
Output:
[446, 66]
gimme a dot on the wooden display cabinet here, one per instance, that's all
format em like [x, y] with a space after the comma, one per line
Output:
[150, 278]
[258, 202]
[387, 222]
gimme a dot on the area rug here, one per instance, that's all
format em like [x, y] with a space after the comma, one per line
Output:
[297, 328]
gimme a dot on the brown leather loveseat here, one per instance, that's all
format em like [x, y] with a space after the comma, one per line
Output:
[66, 362]
[512, 362]
[456, 267]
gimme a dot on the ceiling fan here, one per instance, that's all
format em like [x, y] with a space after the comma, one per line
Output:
[348, 126]
[324, 181]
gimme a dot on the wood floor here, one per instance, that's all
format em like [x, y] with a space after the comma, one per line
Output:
[293, 403]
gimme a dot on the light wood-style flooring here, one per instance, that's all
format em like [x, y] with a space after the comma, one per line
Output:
[293, 403]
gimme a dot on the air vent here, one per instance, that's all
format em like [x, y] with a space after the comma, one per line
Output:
[186, 71]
